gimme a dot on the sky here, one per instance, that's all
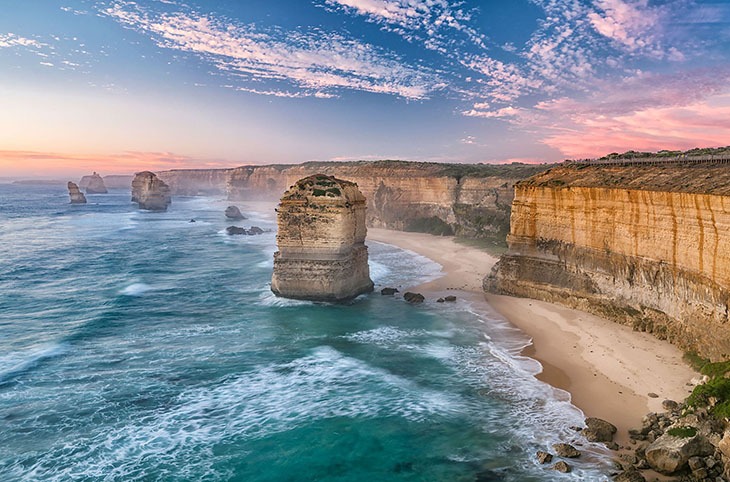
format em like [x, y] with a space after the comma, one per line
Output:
[119, 86]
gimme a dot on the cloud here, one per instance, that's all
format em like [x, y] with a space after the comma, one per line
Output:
[633, 25]
[8, 40]
[316, 61]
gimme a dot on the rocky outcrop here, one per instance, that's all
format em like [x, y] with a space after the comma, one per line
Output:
[462, 199]
[77, 197]
[232, 212]
[321, 239]
[149, 192]
[647, 246]
[93, 184]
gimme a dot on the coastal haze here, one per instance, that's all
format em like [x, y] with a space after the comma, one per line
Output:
[365, 240]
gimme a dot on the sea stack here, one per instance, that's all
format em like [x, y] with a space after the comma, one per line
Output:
[150, 192]
[93, 184]
[322, 254]
[77, 197]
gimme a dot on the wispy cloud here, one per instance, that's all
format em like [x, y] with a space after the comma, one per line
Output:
[8, 40]
[313, 60]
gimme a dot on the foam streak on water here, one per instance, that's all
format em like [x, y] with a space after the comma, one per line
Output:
[140, 346]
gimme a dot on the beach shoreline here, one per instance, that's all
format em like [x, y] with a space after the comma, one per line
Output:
[608, 369]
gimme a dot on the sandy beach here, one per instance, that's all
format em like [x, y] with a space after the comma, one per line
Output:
[609, 369]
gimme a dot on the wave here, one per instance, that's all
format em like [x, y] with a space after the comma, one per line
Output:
[136, 289]
[17, 363]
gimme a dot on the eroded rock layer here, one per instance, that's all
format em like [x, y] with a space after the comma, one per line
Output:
[655, 259]
[149, 192]
[321, 239]
[468, 200]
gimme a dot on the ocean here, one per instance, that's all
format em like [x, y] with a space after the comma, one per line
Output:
[142, 346]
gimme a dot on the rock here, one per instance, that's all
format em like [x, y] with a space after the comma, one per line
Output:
[255, 230]
[192, 221]
[566, 450]
[652, 395]
[413, 297]
[599, 430]
[440, 300]
[612, 445]
[93, 184]
[450, 298]
[77, 197]
[630, 475]
[149, 192]
[670, 405]
[232, 212]
[669, 454]
[695, 463]
[562, 466]
[544, 457]
[724, 445]
[232, 230]
[322, 254]
[388, 291]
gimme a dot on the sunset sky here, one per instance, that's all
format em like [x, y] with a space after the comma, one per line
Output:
[120, 86]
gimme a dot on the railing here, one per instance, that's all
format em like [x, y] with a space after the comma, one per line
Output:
[656, 161]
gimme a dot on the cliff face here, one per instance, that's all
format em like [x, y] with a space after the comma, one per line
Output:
[149, 192]
[645, 246]
[469, 200]
[321, 239]
[195, 182]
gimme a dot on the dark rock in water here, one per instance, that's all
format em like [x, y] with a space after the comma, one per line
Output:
[562, 467]
[450, 298]
[403, 467]
[414, 297]
[255, 230]
[544, 457]
[235, 230]
[599, 430]
[566, 450]
[149, 192]
[77, 197]
[192, 221]
[489, 475]
[93, 184]
[388, 291]
[631, 475]
[232, 212]
[440, 300]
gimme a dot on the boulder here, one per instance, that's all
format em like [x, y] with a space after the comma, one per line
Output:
[255, 230]
[232, 212]
[413, 297]
[562, 466]
[599, 430]
[669, 454]
[388, 291]
[450, 298]
[231, 230]
[149, 192]
[93, 184]
[544, 457]
[724, 445]
[670, 405]
[566, 450]
[440, 300]
[77, 197]
[630, 475]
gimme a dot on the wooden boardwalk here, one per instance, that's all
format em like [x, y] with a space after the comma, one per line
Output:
[656, 161]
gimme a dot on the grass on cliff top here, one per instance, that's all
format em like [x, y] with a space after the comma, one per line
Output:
[665, 153]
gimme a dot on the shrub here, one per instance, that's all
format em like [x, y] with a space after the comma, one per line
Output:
[433, 225]
[682, 432]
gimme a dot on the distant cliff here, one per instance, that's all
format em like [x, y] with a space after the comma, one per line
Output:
[463, 199]
[645, 245]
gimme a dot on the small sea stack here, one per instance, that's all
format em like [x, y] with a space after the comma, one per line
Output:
[321, 239]
[93, 184]
[232, 212]
[149, 192]
[77, 197]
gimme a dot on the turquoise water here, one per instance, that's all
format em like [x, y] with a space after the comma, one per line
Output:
[141, 346]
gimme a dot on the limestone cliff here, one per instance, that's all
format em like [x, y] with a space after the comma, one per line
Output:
[116, 181]
[648, 246]
[468, 200]
[93, 184]
[77, 197]
[321, 239]
[149, 192]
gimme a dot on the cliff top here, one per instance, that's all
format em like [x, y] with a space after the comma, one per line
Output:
[323, 187]
[691, 178]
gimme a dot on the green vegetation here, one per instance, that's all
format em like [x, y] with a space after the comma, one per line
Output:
[682, 432]
[433, 225]
[494, 244]
[717, 388]
[709, 151]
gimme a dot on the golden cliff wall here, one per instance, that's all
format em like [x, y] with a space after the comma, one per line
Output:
[658, 260]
